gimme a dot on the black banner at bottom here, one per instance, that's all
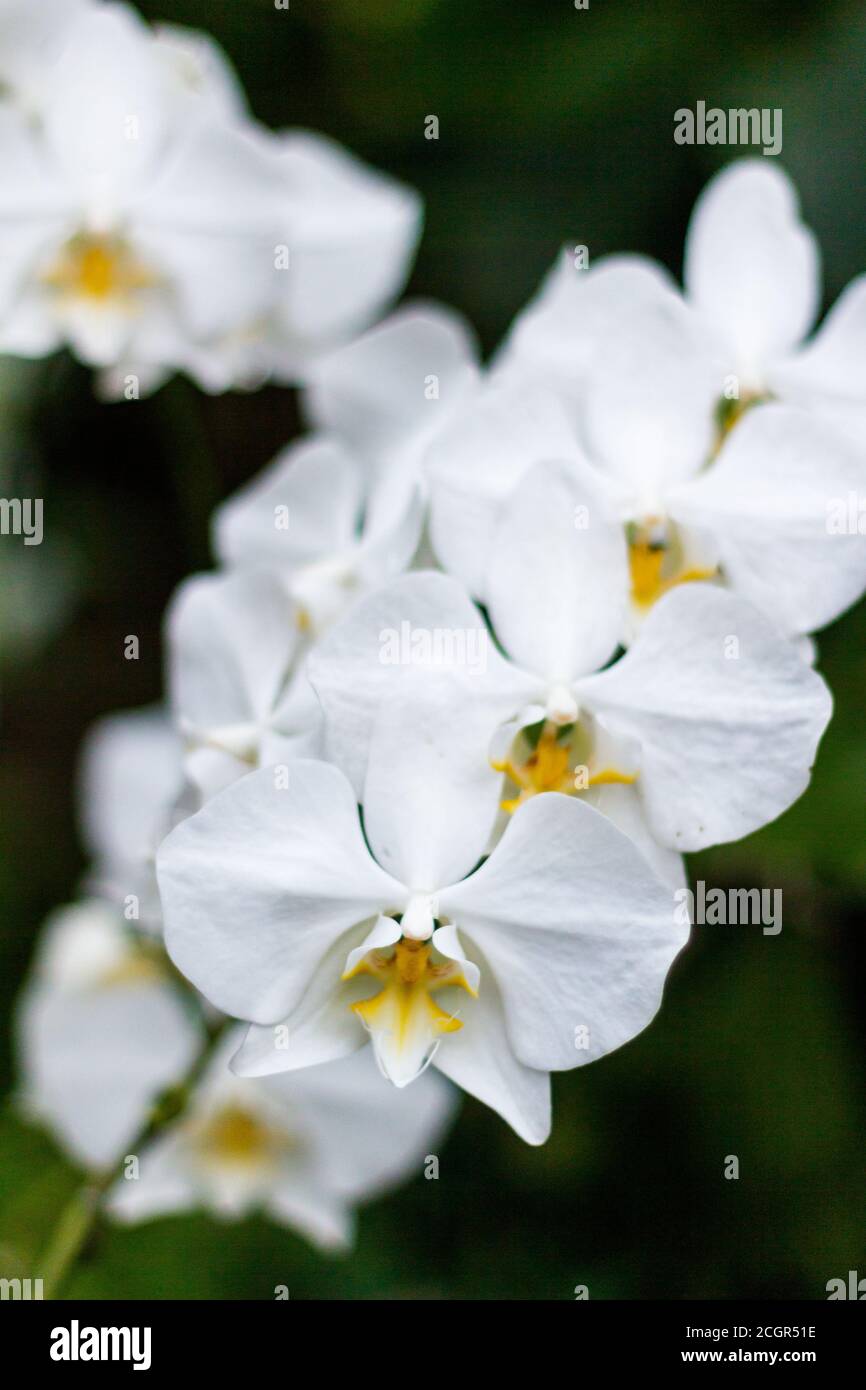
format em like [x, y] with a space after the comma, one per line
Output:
[67, 1338]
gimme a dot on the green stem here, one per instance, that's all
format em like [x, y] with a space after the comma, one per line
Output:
[79, 1217]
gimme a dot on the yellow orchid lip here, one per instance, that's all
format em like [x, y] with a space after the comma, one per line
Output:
[98, 269]
[550, 768]
[655, 563]
[404, 1021]
[236, 1137]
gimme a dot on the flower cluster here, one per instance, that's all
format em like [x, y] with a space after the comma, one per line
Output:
[482, 655]
[149, 223]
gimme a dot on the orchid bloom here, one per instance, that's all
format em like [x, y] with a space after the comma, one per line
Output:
[752, 513]
[127, 208]
[238, 696]
[753, 286]
[102, 1030]
[304, 1148]
[339, 513]
[703, 731]
[753, 275]
[152, 226]
[130, 784]
[279, 912]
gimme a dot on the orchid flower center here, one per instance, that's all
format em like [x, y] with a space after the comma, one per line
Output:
[235, 1137]
[97, 269]
[142, 963]
[729, 412]
[404, 1021]
[658, 561]
[566, 759]
[321, 590]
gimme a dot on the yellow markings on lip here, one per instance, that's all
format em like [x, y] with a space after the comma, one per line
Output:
[549, 769]
[654, 570]
[235, 1136]
[97, 268]
[404, 1006]
[610, 777]
[730, 411]
[139, 968]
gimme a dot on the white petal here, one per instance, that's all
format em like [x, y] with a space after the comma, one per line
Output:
[103, 118]
[480, 1060]
[557, 584]
[622, 805]
[323, 1027]
[260, 883]
[559, 333]
[164, 1183]
[32, 38]
[400, 380]
[751, 266]
[201, 69]
[769, 502]
[421, 622]
[297, 1201]
[231, 639]
[578, 931]
[129, 777]
[351, 233]
[34, 215]
[314, 486]
[431, 795]
[727, 714]
[650, 400]
[478, 459]
[828, 372]
[369, 1135]
[94, 1059]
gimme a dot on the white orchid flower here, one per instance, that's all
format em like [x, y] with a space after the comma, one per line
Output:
[753, 274]
[704, 731]
[756, 510]
[318, 521]
[125, 211]
[304, 1148]
[346, 238]
[342, 511]
[238, 697]
[151, 226]
[101, 1031]
[130, 780]
[753, 283]
[752, 514]
[277, 909]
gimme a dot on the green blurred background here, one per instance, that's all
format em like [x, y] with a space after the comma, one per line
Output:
[555, 125]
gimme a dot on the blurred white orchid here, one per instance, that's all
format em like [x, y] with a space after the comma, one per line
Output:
[102, 1030]
[149, 224]
[304, 1148]
[342, 511]
[130, 785]
[753, 288]
[238, 701]
[279, 912]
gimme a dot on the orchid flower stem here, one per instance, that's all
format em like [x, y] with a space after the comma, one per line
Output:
[80, 1216]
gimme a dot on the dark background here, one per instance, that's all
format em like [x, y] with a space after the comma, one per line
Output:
[555, 125]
